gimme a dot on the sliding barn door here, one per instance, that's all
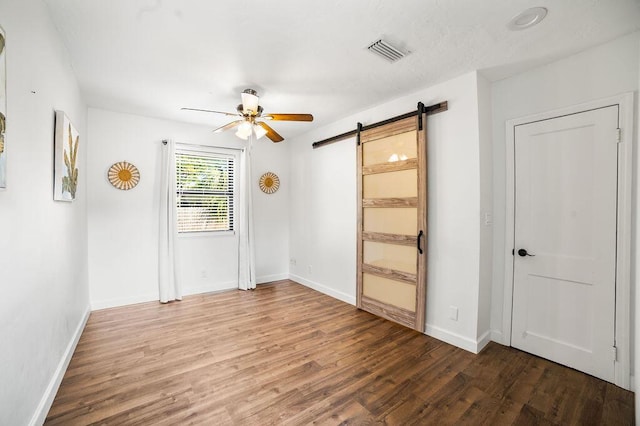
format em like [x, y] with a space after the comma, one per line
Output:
[392, 221]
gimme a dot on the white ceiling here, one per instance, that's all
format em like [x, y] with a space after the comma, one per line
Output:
[152, 57]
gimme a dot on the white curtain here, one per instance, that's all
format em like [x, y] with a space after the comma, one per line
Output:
[167, 250]
[246, 252]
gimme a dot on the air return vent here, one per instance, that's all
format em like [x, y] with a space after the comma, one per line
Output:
[386, 51]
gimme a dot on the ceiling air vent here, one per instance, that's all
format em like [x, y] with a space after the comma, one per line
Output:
[386, 51]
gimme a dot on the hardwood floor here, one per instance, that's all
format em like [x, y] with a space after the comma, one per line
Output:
[285, 354]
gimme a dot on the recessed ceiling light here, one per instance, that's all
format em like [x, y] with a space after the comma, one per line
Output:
[527, 19]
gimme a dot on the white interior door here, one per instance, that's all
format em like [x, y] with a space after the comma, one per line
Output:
[565, 240]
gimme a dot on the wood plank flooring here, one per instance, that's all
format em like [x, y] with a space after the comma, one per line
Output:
[285, 354]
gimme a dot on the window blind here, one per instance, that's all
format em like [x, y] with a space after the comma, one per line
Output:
[205, 192]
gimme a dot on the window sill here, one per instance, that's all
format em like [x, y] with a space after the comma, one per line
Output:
[212, 234]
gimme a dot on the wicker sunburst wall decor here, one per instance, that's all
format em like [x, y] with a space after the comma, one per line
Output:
[269, 183]
[124, 175]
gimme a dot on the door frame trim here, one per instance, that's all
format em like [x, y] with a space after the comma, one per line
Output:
[622, 369]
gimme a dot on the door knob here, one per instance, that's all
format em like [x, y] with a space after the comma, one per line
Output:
[523, 253]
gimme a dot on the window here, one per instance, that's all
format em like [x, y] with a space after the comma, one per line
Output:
[205, 191]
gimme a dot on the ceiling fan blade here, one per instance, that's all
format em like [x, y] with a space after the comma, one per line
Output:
[228, 126]
[271, 134]
[289, 117]
[208, 110]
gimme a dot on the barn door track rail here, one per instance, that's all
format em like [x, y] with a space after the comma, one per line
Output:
[429, 110]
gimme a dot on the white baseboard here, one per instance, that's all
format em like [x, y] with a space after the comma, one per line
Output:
[208, 288]
[347, 298]
[498, 337]
[123, 301]
[433, 331]
[483, 340]
[458, 340]
[270, 278]
[52, 389]
[151, 297]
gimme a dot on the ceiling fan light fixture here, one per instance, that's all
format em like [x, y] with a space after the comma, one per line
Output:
[244, 130]
[250, 101]
[259, 131]
[242, 136]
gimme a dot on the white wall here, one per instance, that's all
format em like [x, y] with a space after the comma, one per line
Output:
[597, 73]
[323, 215]
[323, 208]
[271, 211]
[636, 260]
[123, 225]
[486, 208]
[43, 246]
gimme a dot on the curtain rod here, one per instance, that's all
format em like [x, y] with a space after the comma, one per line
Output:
[429, 110]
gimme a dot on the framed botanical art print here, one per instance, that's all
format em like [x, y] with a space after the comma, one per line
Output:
[65, 173]
[3, 111]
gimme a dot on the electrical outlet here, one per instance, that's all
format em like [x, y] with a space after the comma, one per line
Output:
[203, 273]
[453, 313]
[310, 269]
[292, 261]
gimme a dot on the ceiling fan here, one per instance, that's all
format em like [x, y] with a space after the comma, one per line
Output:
[251, 118]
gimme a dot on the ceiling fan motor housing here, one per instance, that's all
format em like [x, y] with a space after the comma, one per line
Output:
[250, 102]
[241, 111]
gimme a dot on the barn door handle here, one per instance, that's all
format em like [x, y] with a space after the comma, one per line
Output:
[420, 234]
[523, 253]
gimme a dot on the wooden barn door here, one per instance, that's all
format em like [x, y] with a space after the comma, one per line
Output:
[392, 221]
